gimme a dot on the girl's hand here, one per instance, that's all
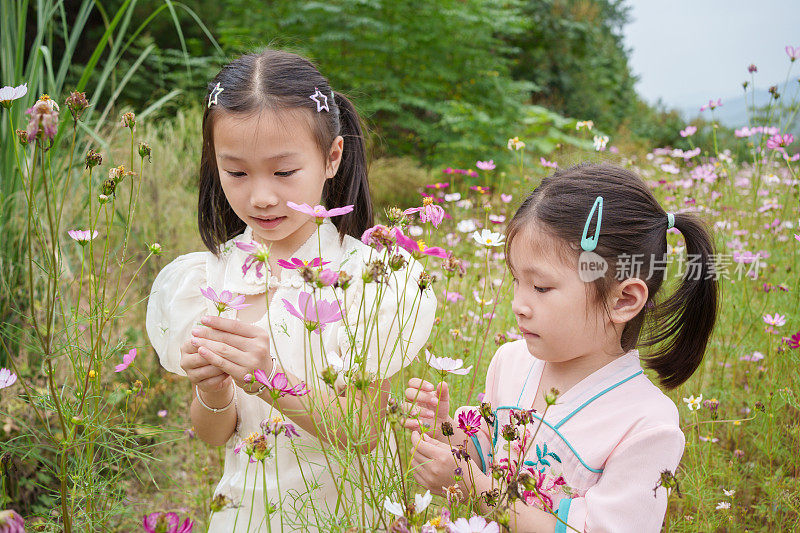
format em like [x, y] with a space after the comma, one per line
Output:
[208, 378]
[428, 405]
[234, 347]
[432, 463]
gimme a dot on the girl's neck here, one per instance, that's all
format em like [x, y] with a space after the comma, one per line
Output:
[564, 375]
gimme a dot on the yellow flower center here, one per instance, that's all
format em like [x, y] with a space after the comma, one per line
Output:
[427, 201]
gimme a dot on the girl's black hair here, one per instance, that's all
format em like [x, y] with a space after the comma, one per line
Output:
[634, 225]
[279, 80]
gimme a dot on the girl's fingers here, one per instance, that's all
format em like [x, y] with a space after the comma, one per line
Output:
[443, 392]
[205, 372]
[417, 383]
[237, 327]
[225, 350]
[216, 335]
[215, 382]
[224, 364]
[415, 396]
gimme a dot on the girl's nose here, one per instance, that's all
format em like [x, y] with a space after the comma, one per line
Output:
[519, 307]
[262, 197]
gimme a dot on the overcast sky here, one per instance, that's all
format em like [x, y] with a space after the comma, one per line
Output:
[688, 51]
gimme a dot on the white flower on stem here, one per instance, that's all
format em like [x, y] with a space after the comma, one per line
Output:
[446, 364]
[466, 226]
[82, 236]
[600, 142]
[422, 501]
[393, 507]
[693, 403]
[729, 493]
[7, 378]
[723, 505]
[488, 238]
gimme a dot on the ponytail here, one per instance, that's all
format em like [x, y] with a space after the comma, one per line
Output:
[350, 185]
[682, 324]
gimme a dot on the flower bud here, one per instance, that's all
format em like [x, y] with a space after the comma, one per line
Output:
[109, 187]
[424, 281]
[509, 432]
[329, 375]
[93, 159]
[486, 413]
[395, 216]
[103, 199]
[116, 173]
[22, 137]
[144, 150]
[77, 103]
[343, 282]
[128, 120]
[551, 397]
[396, 262]
[154, 248]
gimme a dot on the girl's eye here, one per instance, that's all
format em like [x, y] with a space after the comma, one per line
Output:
[285, 173]
[541, 289]
[235, 174]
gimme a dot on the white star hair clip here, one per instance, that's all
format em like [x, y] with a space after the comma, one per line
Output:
[212, 98]
[321, 104]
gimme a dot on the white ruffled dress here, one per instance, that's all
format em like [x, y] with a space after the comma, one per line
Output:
[298, 466]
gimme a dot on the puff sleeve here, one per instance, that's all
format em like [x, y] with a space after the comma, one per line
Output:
[623, 500]
[392, 319]
[175, 306]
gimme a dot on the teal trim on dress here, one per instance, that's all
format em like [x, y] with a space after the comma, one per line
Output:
[480, 452]
[563, 514]
[519, 400]
[593, 398]
[555, 428]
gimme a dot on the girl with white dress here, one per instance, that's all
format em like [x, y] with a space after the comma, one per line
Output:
[299, 403]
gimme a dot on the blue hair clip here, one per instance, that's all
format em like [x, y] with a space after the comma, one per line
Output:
[589, 244]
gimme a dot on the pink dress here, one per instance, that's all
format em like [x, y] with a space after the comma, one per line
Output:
[601, 448]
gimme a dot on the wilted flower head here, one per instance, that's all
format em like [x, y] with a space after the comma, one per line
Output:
[8, 94]
[581, 124]
[752, 69]
[44, 118]
[93, 159]
[77, 103]
[429, 212]
[144, 150]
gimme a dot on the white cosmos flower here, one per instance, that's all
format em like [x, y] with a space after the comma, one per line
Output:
[452, 197]
[466, 226]
[723, 505]
[422, 501]
[729, 493]
[488, 238]
[393, 507]
[693, 403]
[445, 364]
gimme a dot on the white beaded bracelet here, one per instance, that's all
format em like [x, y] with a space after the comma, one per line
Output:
[214, 409]
[269, 379]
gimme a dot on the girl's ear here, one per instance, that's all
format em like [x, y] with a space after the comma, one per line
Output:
[334, 157]
[629, 297]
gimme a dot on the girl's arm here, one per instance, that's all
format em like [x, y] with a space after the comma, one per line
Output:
[216, 388]
[237, 349]
[433, 467]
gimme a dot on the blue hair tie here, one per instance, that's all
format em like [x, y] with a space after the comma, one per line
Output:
[670, 220]
[589, 244]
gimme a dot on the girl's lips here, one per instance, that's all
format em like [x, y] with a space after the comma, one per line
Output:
[270, 223]
[526, 333]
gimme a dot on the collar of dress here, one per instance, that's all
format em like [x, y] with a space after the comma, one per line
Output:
[243, 276]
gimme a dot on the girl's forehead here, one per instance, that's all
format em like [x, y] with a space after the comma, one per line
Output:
[278, 130]
[537, 250]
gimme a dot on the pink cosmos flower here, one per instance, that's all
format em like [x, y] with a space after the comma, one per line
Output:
[797, 236]
[547, 164]
[689, 131]
[8, 94]
[378, 236]
[497, 219]
[438, 186]
[166, 523]
[418, 247]
[776, 142]
[328, 277]
[793, 52]
[476, 524]
[794, 341]
[776, 320]
[258, 256]
[315, 316]
[225, 300]
[319, 212]
[712, 105]
[453, 296]
[44, 118]
[479, 189]
[298, 264]
[505, 198]
[429, 212]
[469, 421]
[82, 236]
[547, 486]
[127, 359]
[11, 522]
[486, 165]
[279, 384]
[755, 356]
[7, 378]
